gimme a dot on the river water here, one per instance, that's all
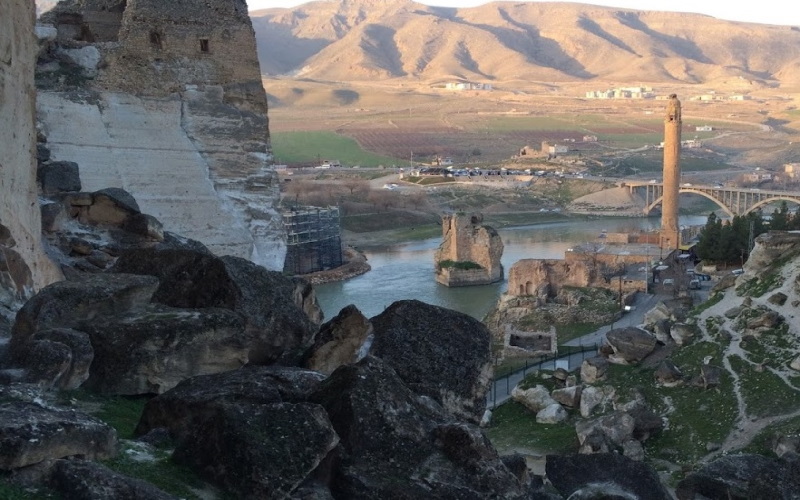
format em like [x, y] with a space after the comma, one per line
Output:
[406, 271]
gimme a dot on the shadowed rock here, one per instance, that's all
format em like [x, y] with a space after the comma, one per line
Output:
[278, 330]
[152, 351]
[259, 451]
[339, 340]
[67, 304]
[80, 479]
[604, 475]
[397, 444]
[439, 353]
[31, 433]
[187, 405]
[726, 478]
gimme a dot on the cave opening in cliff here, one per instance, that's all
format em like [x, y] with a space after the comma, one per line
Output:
[204, 45]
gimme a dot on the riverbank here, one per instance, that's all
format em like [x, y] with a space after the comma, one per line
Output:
[355, 265]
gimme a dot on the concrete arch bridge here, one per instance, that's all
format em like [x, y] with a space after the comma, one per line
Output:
[733, 201]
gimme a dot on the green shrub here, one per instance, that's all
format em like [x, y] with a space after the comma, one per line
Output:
[461, 264]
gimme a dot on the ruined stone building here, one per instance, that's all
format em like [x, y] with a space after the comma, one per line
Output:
[470, 252]
[177, 116]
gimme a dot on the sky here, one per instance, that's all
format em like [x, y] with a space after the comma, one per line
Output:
[784, 12]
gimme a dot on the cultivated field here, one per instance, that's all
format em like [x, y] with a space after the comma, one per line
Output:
[382, 124]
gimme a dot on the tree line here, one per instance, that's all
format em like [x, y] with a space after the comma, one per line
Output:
[730, 241]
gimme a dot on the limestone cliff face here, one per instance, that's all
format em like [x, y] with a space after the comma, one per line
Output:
[23, 266]
[769, 248]
[177, 116]
[469, 253]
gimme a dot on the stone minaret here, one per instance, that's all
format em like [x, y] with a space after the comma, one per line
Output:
[670, 232]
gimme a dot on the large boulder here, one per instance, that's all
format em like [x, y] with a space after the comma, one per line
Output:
[439, 353]
[553, 414]
[568, 396]
[277, 328]
[151, 351]
[630, 344]
[617, 428]
[604, 475]
[594, 370]
[668, 374]
[535, 398]
[67, 304]
[596, 400]
[58, 177]
[85, 480]
[31, 433]
[682, 333]
[339, 341]
[190, 403]
[729, 478]
[398, 444]
[259, 450]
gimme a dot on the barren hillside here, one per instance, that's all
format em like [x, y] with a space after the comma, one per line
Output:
[504, 41]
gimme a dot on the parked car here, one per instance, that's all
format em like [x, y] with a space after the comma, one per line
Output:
[668, 282]
[694, 284]
[737, 272]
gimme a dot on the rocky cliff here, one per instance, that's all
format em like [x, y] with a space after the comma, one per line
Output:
[165, 101]
[23, 266]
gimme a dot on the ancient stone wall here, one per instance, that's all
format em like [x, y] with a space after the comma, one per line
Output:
[23, 265]
[465, 239]
[546, 277]
[87, 20]
[164, 46]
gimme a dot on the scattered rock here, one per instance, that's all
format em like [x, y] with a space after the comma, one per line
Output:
[668, 374]
[768, 319]
[393, 444]
[727, 477]
[595, 399]
[568, 396]
[682, 333]
[258, 450]
[617, 428]
[58, 177]
[535, 398]
[31, 433]
[778, 298]
[734, 312]
[709, 377]
[439, 353]
[66, 304]
[630, 344]
[152, 351]
[553, 414]
[604, 475]
[277, 329]
[594, 370]
[190, 403]
[81, 479]
[795, 364]
[786, 444]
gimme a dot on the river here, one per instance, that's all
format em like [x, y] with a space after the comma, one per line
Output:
[406, 271]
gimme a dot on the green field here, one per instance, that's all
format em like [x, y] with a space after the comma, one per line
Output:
[312, 147]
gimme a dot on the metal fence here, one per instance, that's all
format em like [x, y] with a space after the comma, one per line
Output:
[500, 390]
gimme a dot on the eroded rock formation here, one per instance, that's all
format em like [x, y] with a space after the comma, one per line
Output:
[171, 109]
[470, 252]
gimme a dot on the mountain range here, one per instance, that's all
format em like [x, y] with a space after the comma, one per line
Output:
[506, 42]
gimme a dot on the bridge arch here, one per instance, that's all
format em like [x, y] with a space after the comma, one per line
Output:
[721, 205]
[771, 200]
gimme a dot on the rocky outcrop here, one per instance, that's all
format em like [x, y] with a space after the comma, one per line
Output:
[606, 475]
[406, 446]
[176, 99]
[290, 442]
[92, 481]
[743, 476]
[470, 252]
[276, 326]
[439, 353]
[24, 268]
[31, 433]
[339, 341]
